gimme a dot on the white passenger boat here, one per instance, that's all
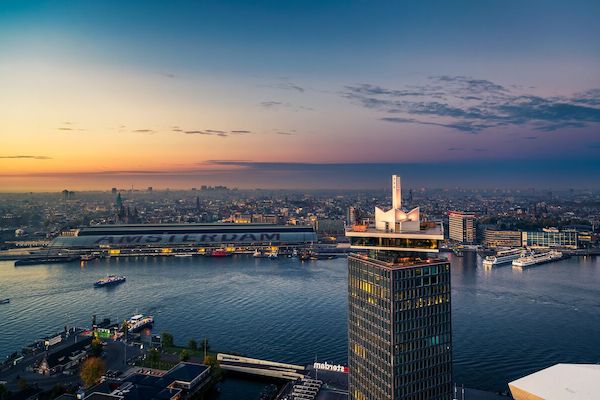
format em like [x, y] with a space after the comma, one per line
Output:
[503, 257]
[537, 258]
[139, 321]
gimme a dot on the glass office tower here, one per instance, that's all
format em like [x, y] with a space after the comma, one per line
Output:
[399, 325]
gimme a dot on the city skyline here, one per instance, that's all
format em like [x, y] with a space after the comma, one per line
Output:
[299, 95]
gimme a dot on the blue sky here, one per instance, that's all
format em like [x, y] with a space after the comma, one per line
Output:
[280, 82]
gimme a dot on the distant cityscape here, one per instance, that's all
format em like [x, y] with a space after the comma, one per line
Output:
[502, 218]
[400, 341]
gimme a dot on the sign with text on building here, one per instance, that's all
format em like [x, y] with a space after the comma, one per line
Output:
[331, 367]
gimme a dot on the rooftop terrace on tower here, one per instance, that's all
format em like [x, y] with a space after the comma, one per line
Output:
[401, 262]
[423, 240]
[397, 230]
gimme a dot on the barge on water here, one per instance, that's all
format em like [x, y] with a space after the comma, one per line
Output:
[45, 260]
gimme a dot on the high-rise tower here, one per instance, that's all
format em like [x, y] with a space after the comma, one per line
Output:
[399, 327]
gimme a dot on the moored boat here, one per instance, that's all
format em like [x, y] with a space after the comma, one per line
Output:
[45, 260]
[503, 257]
[538, 258]
[139, 322]
[219, 253]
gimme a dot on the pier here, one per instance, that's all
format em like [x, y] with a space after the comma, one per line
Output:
[259, 367]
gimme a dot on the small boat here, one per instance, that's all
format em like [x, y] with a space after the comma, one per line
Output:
[183, 255]
[110, 280]
[4, 301]
[88, 257]
[273, 255]
[219, 253]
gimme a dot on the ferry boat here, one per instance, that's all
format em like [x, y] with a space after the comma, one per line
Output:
[503, 257]
[110, 280]
[537, 258]
[139, 322]
[4, 301]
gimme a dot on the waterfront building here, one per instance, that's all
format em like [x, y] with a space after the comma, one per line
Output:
[145, 236]
[185, 380]
[461, 227]
[399, 325]
[559, 382]
[493, 238]
[550, 238]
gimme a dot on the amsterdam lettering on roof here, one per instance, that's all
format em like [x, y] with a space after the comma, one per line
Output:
[190, 238]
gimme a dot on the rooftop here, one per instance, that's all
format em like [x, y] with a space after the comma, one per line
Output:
[559, 382]
[188, 228]
[430, 229]
[184, 372]
[406, 262]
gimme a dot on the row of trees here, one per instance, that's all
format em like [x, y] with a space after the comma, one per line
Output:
[168, 341]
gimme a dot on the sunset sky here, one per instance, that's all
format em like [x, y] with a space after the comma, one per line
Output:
[299, 94]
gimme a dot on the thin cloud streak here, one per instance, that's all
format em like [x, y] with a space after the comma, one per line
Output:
[27, 157]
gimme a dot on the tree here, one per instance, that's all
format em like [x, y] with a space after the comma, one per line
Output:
[167, 339]
[4, 392]
[125, 328]
[193, 345]
[204, 346]
[56, 391]
[213, 363]
[92, 370]
[184, 355]
[23, 385]
[154, 357]
[96, 347]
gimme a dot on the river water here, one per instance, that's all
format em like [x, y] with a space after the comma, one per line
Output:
[507, 322]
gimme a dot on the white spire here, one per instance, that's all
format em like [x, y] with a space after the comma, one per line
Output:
[396, 192]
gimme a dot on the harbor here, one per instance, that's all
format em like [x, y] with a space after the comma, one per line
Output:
[252, 306]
